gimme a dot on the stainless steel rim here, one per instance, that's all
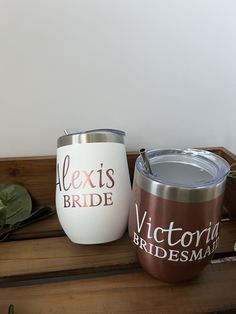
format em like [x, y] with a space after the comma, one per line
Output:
[186, 195]
[92, 136]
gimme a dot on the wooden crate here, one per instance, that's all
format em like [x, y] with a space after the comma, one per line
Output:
[41, 271]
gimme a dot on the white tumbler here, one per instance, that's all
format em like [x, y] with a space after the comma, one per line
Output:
[92, 185]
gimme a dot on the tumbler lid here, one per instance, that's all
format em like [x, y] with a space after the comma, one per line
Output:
[189, 168]
[183, 175]
[92, 136]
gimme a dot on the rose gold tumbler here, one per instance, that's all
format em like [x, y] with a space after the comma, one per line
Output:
[175, 211]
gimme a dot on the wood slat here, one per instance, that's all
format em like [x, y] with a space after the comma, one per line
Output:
[27, 259]
[49, 227]
[128, 293]
[227, 237]
[58, 256]
[224, 153]
[38, 174]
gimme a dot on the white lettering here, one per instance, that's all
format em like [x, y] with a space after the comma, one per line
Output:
[143, 244]
[136, 239]
[173, 255]
[139, 225]
[186, 234]
[160, 252]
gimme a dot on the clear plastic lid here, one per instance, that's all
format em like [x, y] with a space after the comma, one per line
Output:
[188, 168]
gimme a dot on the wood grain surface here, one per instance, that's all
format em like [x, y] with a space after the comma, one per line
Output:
[31, 257]
[128, 293]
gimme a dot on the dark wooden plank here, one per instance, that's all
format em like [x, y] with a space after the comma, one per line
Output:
[27, 259]
[224, 153]
[58, 256]
[232, 311]
[227, 237]
[230, 192]
[37, 174]
[49, 227]
[137, 293]
[230, 198]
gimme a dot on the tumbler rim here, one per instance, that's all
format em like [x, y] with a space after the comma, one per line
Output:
[92, 136]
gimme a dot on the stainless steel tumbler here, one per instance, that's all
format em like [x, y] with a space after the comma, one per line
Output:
[175, 211]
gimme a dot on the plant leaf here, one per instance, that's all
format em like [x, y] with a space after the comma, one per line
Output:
[3, 214]
[16, 201]
[11, 309]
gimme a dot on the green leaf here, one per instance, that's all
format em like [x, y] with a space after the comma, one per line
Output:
[3, 214]
[11, 309]
[16, 210]
[16, 203]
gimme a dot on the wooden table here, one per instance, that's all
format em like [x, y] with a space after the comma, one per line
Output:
[41, 271]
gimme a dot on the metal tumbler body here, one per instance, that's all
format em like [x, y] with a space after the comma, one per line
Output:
[93, 186]
[175, 213]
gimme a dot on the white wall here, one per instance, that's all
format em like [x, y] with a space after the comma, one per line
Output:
[163, 70]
